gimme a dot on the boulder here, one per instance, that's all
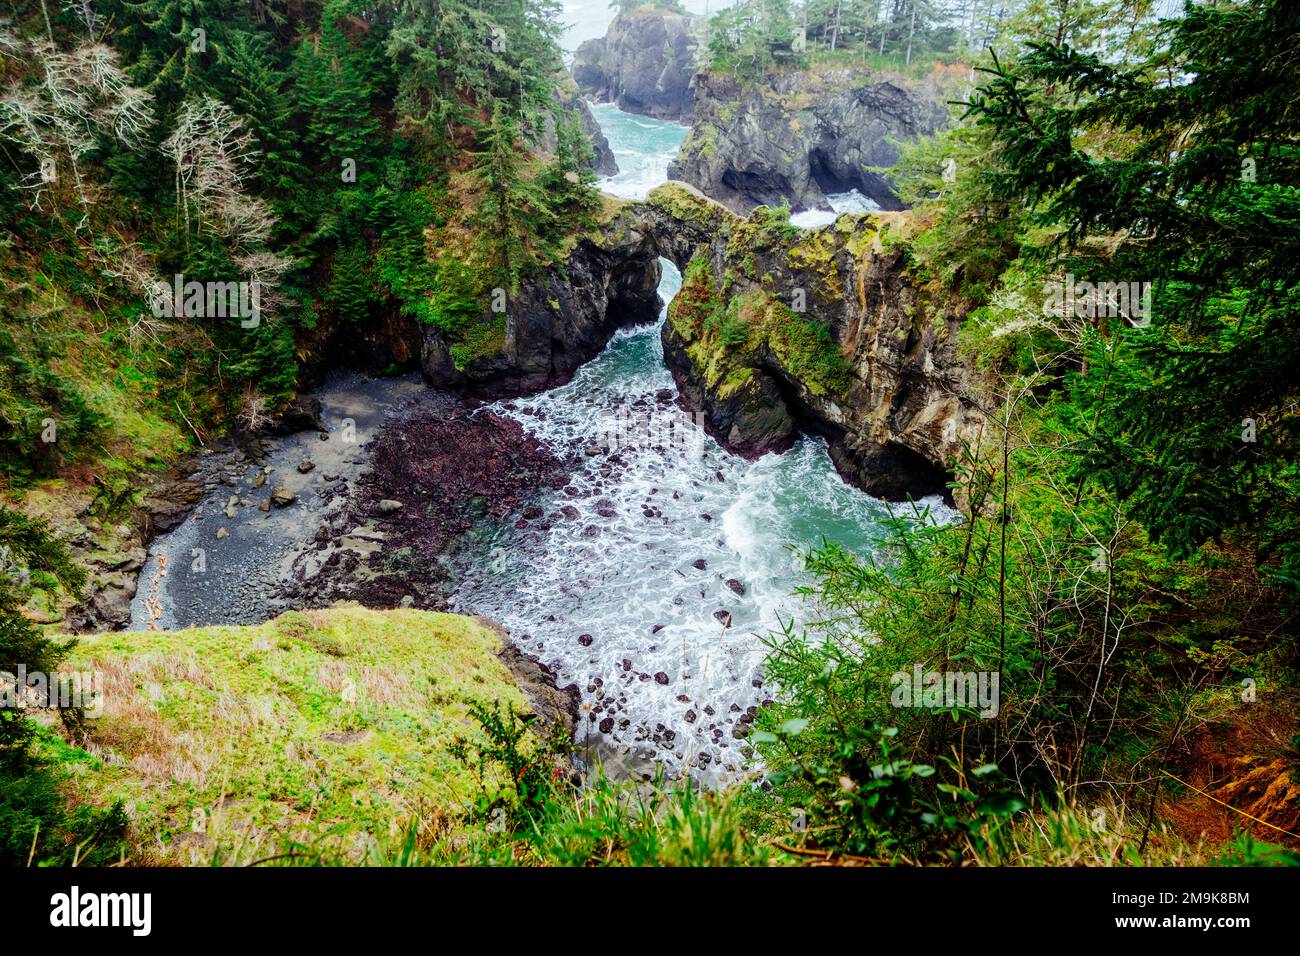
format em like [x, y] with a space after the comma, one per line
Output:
[303, 413]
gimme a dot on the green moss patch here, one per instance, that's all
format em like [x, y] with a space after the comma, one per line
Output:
[225, 742]
[722, 336]
[687, 205]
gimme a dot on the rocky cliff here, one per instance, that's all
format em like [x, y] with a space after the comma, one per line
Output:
[778, 330]
[645, 63]
[558, 318]
[602, 157]
[570, 98]
[800, 135]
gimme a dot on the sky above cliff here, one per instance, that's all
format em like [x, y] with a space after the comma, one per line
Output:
[588, 19]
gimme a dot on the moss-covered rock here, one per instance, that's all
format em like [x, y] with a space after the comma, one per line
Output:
[711, 348]
[686, 204]
[826, 328]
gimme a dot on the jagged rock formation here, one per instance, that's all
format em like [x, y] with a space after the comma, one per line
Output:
[559, 318]
[778, 330]
[570, 98]
[645, 63]
[602, 159]
[798, 136]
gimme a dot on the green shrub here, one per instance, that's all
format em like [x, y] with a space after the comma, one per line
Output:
[37, 827]
[37, 403]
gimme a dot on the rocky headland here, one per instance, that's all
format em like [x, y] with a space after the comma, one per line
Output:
[644, 64]
[797, 136]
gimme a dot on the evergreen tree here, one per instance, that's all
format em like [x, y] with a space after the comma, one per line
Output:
[336, 77]
[1195, 417]
[173, 44]
[254, 90]
[29, 557]
[511, 208]
[749, 37]
[349, 289]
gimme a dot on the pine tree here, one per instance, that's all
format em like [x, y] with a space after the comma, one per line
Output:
[173, 45]
[29, 557]
[254, 91]
[1196, 415]
[349, 288]
[503, 207]
[336, 78]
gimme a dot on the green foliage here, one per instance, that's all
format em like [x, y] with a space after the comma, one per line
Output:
[654, 825]
[36, 824]
[1045, 587]
[452, 54]
[349, 290]
[507, 750]
[1103, 440]
[753, 36]
[603, 824]
[507, 199]
[764, 228]
[256, 93]
[807, 348]
[1245, 850]
[358, 117]
[457, 299]
[733, 332]
[972, 234]
[336, 79]
[48, 420]
[750, 37]
[538, 817]
[37, 827]
[868, 798]
[1198, 199]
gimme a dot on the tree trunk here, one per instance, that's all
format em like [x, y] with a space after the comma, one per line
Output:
[835, 32]
[911, 31]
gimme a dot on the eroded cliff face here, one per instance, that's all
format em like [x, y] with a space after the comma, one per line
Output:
[645, 63]
[798, 136]
[558, 318]
[779, 330]
[570, 98]
[776, 331]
